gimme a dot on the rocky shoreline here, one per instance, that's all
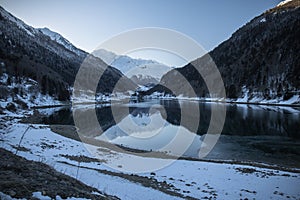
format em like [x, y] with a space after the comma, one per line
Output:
[20, 178]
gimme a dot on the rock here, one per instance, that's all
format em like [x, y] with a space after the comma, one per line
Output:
[1, 111]
[21, 104]
[11, 107]
[12, 193]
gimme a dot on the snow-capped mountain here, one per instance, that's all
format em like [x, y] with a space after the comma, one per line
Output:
[107, 56]
[49, 59]
[141, 71]
[36, 31]
[60, 39]
[28, 29]
[147, 73]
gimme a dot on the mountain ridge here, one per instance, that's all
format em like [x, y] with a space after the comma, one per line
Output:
[259, 61]
[28, 52]
[61, 40]
[140, 71]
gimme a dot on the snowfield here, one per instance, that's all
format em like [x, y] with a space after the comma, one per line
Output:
[283, 2]
[60, 39]
[139, 70]
[181, 179]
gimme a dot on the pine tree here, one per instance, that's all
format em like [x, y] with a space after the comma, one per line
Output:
[279, 90]
[8, 81]
[44, 85]
[1, 71]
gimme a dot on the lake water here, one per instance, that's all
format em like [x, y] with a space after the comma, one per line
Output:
[266, 134]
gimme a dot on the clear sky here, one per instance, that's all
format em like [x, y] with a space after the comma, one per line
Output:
[88, 23]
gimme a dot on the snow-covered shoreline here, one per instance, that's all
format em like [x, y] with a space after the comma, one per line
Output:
[182, 179]
[292, 102]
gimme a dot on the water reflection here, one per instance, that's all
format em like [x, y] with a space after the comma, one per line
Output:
[243, 120]
[250, 132]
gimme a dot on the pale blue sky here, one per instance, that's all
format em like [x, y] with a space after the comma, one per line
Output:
[88, 23]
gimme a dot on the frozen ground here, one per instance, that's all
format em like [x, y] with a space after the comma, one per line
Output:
[30, 93]
[181, 179]
[293, 101]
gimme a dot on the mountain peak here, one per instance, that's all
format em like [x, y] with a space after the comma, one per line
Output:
[59, 39]
[141, 71]
[284, 2]
[33, 32]
[7, 16]
[285, 5]
[49, 59]
[107, 56]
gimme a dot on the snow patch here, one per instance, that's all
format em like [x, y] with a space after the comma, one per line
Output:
[89, 97]
[28, 92]
[253, 98]
[39, 195]
[7, 197]
[60, 39]
[263, 20]
[283, 2]
[226, 181]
